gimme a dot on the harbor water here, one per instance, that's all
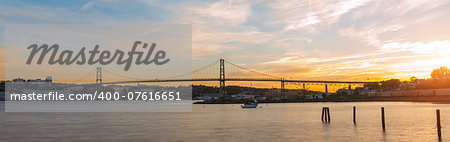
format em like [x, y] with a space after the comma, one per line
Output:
[405, 121]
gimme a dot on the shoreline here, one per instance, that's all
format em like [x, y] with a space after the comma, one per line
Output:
[424, 99]
[428, 99]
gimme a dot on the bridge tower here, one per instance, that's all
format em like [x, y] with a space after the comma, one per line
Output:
[99, 76]
[282, 88]
[222, 78]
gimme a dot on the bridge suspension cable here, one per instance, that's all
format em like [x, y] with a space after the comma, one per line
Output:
[195, 72]
[123, 76]
[88, 75]
[253, 71]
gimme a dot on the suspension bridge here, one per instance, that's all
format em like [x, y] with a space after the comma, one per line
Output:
[215, 72]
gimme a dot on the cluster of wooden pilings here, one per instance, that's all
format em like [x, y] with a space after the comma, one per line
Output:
[326, 115]
[326, 118]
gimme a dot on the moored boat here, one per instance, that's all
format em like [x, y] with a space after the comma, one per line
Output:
[253, 104]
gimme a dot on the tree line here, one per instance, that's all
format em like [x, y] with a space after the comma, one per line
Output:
[440, 78]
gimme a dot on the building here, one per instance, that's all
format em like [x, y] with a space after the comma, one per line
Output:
[18, 80]
[344, 91]
[314, 96]
[48, 79]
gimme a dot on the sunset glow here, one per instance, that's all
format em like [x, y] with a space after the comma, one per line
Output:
[225, 70]
[312, 40]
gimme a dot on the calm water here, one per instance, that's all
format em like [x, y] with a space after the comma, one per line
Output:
[275, 122]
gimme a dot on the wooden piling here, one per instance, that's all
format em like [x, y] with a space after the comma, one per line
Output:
[354, 114]
[323, 113]
[326, 114]
[382, 119]
[329, 116]
[438, 126]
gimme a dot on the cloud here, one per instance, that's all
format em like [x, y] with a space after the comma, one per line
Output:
[282, 60]
[310, 20]
[346, 6]
[207, 40]
[434, 47]
[202, 50]
[340, 38]
[401, 60]
[225, 12]
[87, 5]
[308, 15]
[369, 34]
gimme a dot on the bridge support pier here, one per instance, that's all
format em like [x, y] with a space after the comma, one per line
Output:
[304, 87]
[282, 88]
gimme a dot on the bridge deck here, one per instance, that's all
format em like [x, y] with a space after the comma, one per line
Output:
[236, 79]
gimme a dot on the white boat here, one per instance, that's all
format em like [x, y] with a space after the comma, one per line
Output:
[250, 104]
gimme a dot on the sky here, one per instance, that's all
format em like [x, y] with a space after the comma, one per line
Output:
[353, 40]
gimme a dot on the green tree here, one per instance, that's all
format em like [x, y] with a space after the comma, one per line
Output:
[390, 84]
[372, 85]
